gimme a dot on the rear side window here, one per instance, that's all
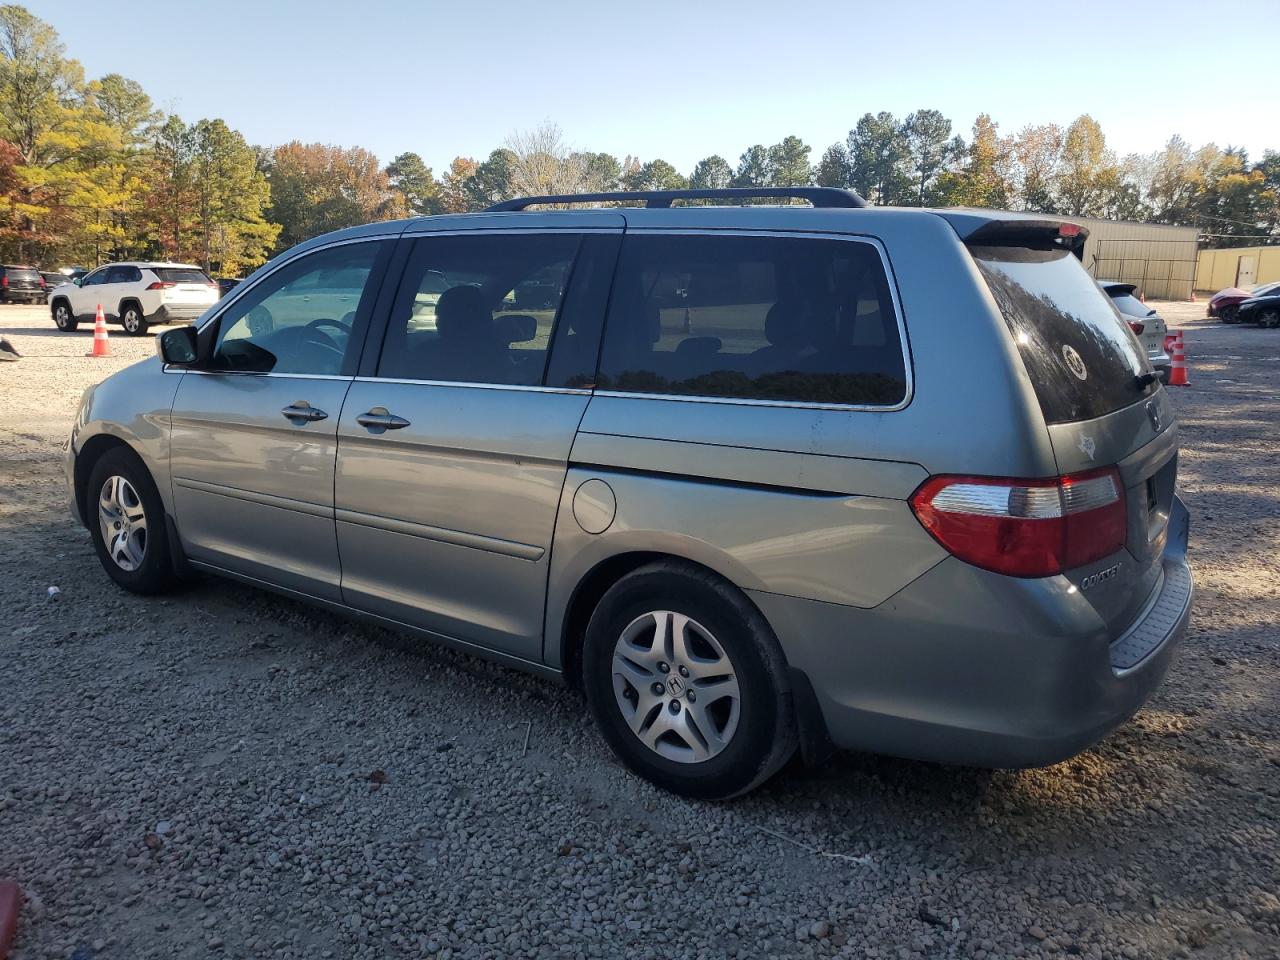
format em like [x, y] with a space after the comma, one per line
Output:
[1083, 361]
[763, 318]
[123, 274]
[180, 275]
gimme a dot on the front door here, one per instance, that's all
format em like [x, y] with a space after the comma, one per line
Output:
[453, 451]
[255, 430]
[91, 292]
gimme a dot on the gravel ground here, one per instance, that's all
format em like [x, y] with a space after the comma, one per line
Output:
[225, 773]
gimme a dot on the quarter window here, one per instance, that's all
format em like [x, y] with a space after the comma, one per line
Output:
[300, 319]
[768, 318]
[478, 308]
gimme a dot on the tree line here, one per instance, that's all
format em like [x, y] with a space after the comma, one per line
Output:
[91, 171]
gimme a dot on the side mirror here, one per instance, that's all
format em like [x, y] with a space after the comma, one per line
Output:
[178, 346]
[76, 280]
[516, 327]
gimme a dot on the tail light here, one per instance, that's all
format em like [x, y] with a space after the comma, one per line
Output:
[4, 281]
[161, 285]
[1025, 528]
[1137, 327]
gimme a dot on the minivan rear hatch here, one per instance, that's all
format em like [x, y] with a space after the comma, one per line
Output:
[1102, 402]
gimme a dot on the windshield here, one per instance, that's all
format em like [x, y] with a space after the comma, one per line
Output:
[1083, 361]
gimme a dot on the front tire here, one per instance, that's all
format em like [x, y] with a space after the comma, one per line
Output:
[63, 318]
[687, 682]
[134, 323]
[127, 520]
[1270, 319]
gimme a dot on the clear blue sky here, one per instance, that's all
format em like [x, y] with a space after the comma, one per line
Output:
[681, 80]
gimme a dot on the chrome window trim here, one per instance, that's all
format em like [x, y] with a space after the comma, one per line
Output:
[903, 344]
[253, 373]
[518, 387]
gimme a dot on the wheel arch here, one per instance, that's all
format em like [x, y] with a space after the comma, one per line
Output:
[87, 458]
[61, 298]
[124, 302]
[593, 585]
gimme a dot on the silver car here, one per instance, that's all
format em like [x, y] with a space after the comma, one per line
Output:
[758, 479]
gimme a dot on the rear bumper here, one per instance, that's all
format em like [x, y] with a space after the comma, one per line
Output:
[967, 667]
[178, 312]
[1161, 364]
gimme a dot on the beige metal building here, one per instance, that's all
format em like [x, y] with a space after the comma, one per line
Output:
[1159, 259]
[1237, 267]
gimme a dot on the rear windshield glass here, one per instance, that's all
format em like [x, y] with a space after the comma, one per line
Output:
[1131, 306]
[24, 273]
[1083, 361]
[180, 275]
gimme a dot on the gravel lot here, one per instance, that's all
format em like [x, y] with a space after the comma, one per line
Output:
[225, 773]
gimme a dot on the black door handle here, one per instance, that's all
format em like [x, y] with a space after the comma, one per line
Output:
[302, 412]
[379, 419]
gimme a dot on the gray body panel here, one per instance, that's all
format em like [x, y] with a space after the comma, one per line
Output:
[478, 523]
[447, 523]
[252, 491]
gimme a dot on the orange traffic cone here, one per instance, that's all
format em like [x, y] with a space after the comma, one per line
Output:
[101, 348]
[1178, 367]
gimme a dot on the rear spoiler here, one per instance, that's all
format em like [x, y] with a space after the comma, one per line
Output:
[1018, 230]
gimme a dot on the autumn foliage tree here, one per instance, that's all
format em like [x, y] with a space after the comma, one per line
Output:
[316, 188]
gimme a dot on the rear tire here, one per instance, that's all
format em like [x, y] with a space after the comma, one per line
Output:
[134, 323]
[126, 518]
[1270, 319]
[718, 721]
[63, 318]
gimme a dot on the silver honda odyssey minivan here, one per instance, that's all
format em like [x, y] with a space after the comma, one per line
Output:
[758, 479]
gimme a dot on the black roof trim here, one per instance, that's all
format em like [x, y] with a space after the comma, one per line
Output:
[818, 196]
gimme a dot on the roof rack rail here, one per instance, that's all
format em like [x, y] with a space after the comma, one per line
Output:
[818, 196]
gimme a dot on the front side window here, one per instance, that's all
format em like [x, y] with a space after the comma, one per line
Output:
[478, 308]
[765, 318]
[299, 319]
[95, 278]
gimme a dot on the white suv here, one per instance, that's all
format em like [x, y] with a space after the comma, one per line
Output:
[134, 295]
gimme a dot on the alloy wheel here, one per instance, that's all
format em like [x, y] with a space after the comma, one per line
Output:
[676, 687]
[132, 320]
[123, 522]
[61, 316]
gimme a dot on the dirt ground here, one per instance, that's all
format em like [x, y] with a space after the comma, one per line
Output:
[202, 774]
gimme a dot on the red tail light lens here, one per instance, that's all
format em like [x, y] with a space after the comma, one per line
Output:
[161, 285]
[1025, 528]
[4, 281]
[1137, 327]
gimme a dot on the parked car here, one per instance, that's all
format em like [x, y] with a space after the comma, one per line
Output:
[135, 295]
[1147, 325]
[1263, 308]
[20, 284]
[52, 278]
[1224, 303]
[227, 284]
[882, 479]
